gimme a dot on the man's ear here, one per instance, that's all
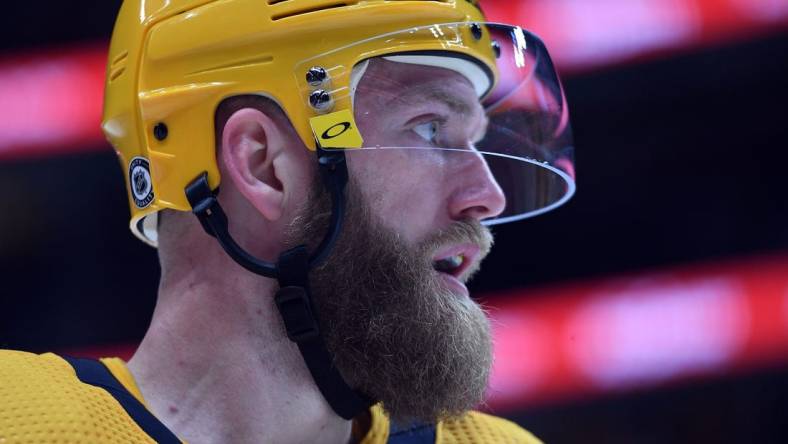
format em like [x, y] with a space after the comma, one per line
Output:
[251, 145]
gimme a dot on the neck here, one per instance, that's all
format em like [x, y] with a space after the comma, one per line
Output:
[216, 365]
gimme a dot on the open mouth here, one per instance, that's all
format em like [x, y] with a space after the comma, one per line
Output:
[455, 260]
[450, 265]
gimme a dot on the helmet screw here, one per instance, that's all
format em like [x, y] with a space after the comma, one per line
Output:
[320, 99]
[476, 30]
[496, 49]
[160, 131]
[316, 75]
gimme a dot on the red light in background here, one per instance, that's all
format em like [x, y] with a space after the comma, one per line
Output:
[586, 34]
[639, 332]
[655, 331]
[51, 101]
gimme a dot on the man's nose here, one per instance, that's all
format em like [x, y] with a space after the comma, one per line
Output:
[476, 194]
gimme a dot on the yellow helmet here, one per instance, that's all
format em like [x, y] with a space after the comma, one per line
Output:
[171, 62]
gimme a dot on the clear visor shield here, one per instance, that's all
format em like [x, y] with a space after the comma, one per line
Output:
[490, 139]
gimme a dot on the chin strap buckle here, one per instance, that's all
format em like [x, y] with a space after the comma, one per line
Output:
[295, 308]
[293, 298]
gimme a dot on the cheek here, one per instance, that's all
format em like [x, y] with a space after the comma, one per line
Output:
[405, 189]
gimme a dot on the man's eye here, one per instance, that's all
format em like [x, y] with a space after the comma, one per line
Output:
[427, 131]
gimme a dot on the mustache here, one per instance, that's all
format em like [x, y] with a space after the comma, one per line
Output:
[462, 231]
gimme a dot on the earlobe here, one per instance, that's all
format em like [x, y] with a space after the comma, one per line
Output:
[251, 142]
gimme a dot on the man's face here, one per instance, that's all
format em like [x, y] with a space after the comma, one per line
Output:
[419, 191]
[400, 330]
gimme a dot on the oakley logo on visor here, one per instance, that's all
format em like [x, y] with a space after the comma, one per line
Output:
[336, 130]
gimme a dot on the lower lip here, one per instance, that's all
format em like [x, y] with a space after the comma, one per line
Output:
[455, 283]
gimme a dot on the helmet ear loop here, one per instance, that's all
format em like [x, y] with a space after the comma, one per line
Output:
[294, 299]
[206, 207]
[213, 219]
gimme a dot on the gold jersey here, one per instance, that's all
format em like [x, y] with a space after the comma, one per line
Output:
[44, 400]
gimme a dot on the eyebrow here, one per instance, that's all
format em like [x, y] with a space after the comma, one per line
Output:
[455, 104]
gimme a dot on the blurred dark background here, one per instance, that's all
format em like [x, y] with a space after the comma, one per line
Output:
[681, 157]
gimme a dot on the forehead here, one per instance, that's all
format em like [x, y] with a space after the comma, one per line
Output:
[394, 85]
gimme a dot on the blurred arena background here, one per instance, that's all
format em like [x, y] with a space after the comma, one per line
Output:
[651, 308]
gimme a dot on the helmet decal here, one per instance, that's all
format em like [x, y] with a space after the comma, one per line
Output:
[140, 182]
[337, 130]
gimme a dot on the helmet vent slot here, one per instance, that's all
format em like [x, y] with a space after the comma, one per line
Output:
[241, 63]
[116, 73]
[293, 13]
[120, 57]
[118, 66]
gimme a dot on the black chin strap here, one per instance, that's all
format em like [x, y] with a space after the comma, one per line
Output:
[294, 299]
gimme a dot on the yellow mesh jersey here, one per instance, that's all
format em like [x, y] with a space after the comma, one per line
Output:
[43, 402]
[477, 427]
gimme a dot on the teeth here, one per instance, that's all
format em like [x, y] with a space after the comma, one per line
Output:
[455, 261]
[450, 263]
